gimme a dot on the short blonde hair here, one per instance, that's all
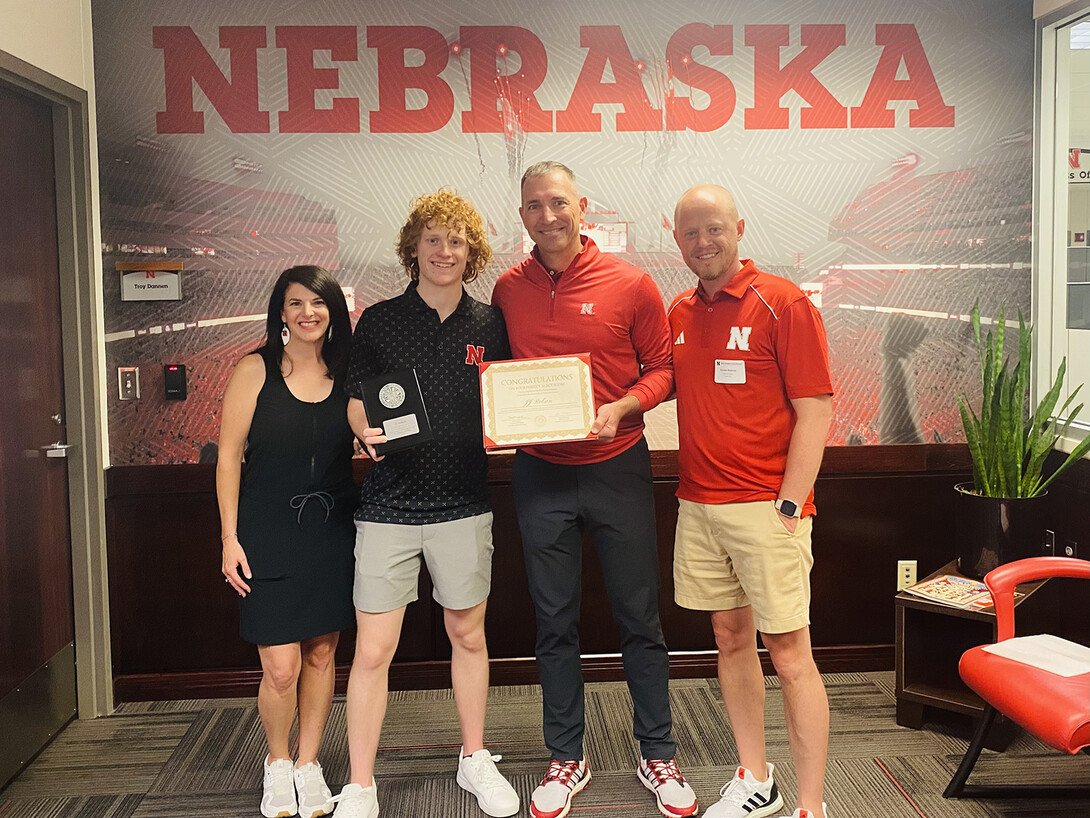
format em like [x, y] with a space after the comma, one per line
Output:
[453, 212]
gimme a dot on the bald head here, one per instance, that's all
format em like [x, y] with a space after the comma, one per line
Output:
[707, 231]
[709, 196]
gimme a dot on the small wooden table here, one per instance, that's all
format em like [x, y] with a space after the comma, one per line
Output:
[930, 638]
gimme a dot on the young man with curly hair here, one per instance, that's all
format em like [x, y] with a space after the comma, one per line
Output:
[429, 502]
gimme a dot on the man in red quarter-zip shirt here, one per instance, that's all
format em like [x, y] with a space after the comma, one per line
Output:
[566, 298]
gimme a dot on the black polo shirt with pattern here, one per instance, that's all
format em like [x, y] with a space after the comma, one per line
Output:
[445, 478]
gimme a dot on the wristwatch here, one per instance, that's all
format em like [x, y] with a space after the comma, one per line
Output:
[789, 508]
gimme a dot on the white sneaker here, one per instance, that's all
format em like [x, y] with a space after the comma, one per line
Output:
[278, 796]
[746, 797]
[315, 799]
[477, 774]
[805, 813]
[357, 802]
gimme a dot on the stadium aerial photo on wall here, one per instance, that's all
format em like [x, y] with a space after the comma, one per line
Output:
[880, 154]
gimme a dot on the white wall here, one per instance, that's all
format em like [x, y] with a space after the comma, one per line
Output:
[54, 35]
[1042, 8]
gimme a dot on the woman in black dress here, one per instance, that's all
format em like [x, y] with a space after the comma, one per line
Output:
[286, 497]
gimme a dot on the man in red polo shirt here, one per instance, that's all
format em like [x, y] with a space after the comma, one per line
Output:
[569, 297]
[754, 400]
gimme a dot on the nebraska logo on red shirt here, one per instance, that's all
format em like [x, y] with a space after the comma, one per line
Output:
[474, 355]
[739, 338]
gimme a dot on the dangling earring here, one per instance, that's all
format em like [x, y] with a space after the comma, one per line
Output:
[285, 335]
[329, 335]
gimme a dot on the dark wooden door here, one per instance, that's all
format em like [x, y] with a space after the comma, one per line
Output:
[36, 627]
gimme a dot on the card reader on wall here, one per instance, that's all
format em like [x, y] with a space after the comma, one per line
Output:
[174, 381]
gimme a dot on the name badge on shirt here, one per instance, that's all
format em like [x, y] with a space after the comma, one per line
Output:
[730, 371]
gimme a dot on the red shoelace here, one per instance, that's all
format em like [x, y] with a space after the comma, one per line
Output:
[663, 771]
[563, 771]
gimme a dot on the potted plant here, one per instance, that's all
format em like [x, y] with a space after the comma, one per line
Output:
[999, 520]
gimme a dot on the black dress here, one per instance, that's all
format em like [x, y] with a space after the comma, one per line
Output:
[295, 516]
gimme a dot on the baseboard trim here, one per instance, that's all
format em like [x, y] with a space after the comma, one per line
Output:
[243, 682]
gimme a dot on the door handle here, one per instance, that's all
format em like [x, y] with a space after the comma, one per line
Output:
[57, 449]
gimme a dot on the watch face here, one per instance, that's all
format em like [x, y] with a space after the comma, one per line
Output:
[788, 508]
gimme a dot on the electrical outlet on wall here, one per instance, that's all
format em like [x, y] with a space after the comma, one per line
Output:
[906, 573]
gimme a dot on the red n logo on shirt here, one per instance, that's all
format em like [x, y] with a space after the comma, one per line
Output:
[474, 355]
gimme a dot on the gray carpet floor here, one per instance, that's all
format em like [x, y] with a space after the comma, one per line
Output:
[183, 759]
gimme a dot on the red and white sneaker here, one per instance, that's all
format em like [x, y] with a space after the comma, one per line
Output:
[672, 792]
[806, 813]
[552, 798]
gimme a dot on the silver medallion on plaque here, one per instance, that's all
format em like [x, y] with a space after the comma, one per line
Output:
[391, 395]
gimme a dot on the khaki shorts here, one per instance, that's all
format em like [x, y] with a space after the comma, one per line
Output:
[458, 554]
[730, 555]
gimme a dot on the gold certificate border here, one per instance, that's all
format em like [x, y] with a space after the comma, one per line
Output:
[488, 406]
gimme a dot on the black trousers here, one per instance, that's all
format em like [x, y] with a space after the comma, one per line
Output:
[613, 502]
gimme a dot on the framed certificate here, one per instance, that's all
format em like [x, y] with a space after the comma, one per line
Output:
[536, 400]
[395, 404]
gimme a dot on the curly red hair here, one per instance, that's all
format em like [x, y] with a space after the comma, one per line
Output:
[454, 212]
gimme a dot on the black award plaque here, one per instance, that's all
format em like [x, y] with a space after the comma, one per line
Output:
[394, 403]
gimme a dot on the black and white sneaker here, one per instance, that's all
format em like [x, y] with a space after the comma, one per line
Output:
[746, 797]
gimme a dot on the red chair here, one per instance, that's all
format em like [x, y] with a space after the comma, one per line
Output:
[1056, 709]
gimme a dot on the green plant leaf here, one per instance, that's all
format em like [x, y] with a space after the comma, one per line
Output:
[1008, 450]
[1010, 440]
[1076, 454]
[971, 424]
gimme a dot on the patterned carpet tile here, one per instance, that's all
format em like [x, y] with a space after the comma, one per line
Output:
[416, 796]
[110, 756]
[232, 804]
[885, 682]
[922, 779]
[174, 706]
[191, 759]
[94, 806]
[221, 751]
[608, 794]
[700, 728]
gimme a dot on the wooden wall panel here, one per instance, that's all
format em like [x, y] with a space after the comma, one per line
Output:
[172, 614]
[170, 609]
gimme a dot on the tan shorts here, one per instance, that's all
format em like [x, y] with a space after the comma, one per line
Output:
[730, 555]
[458, 554]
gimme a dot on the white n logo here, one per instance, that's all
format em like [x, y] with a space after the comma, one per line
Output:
[739, 338]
